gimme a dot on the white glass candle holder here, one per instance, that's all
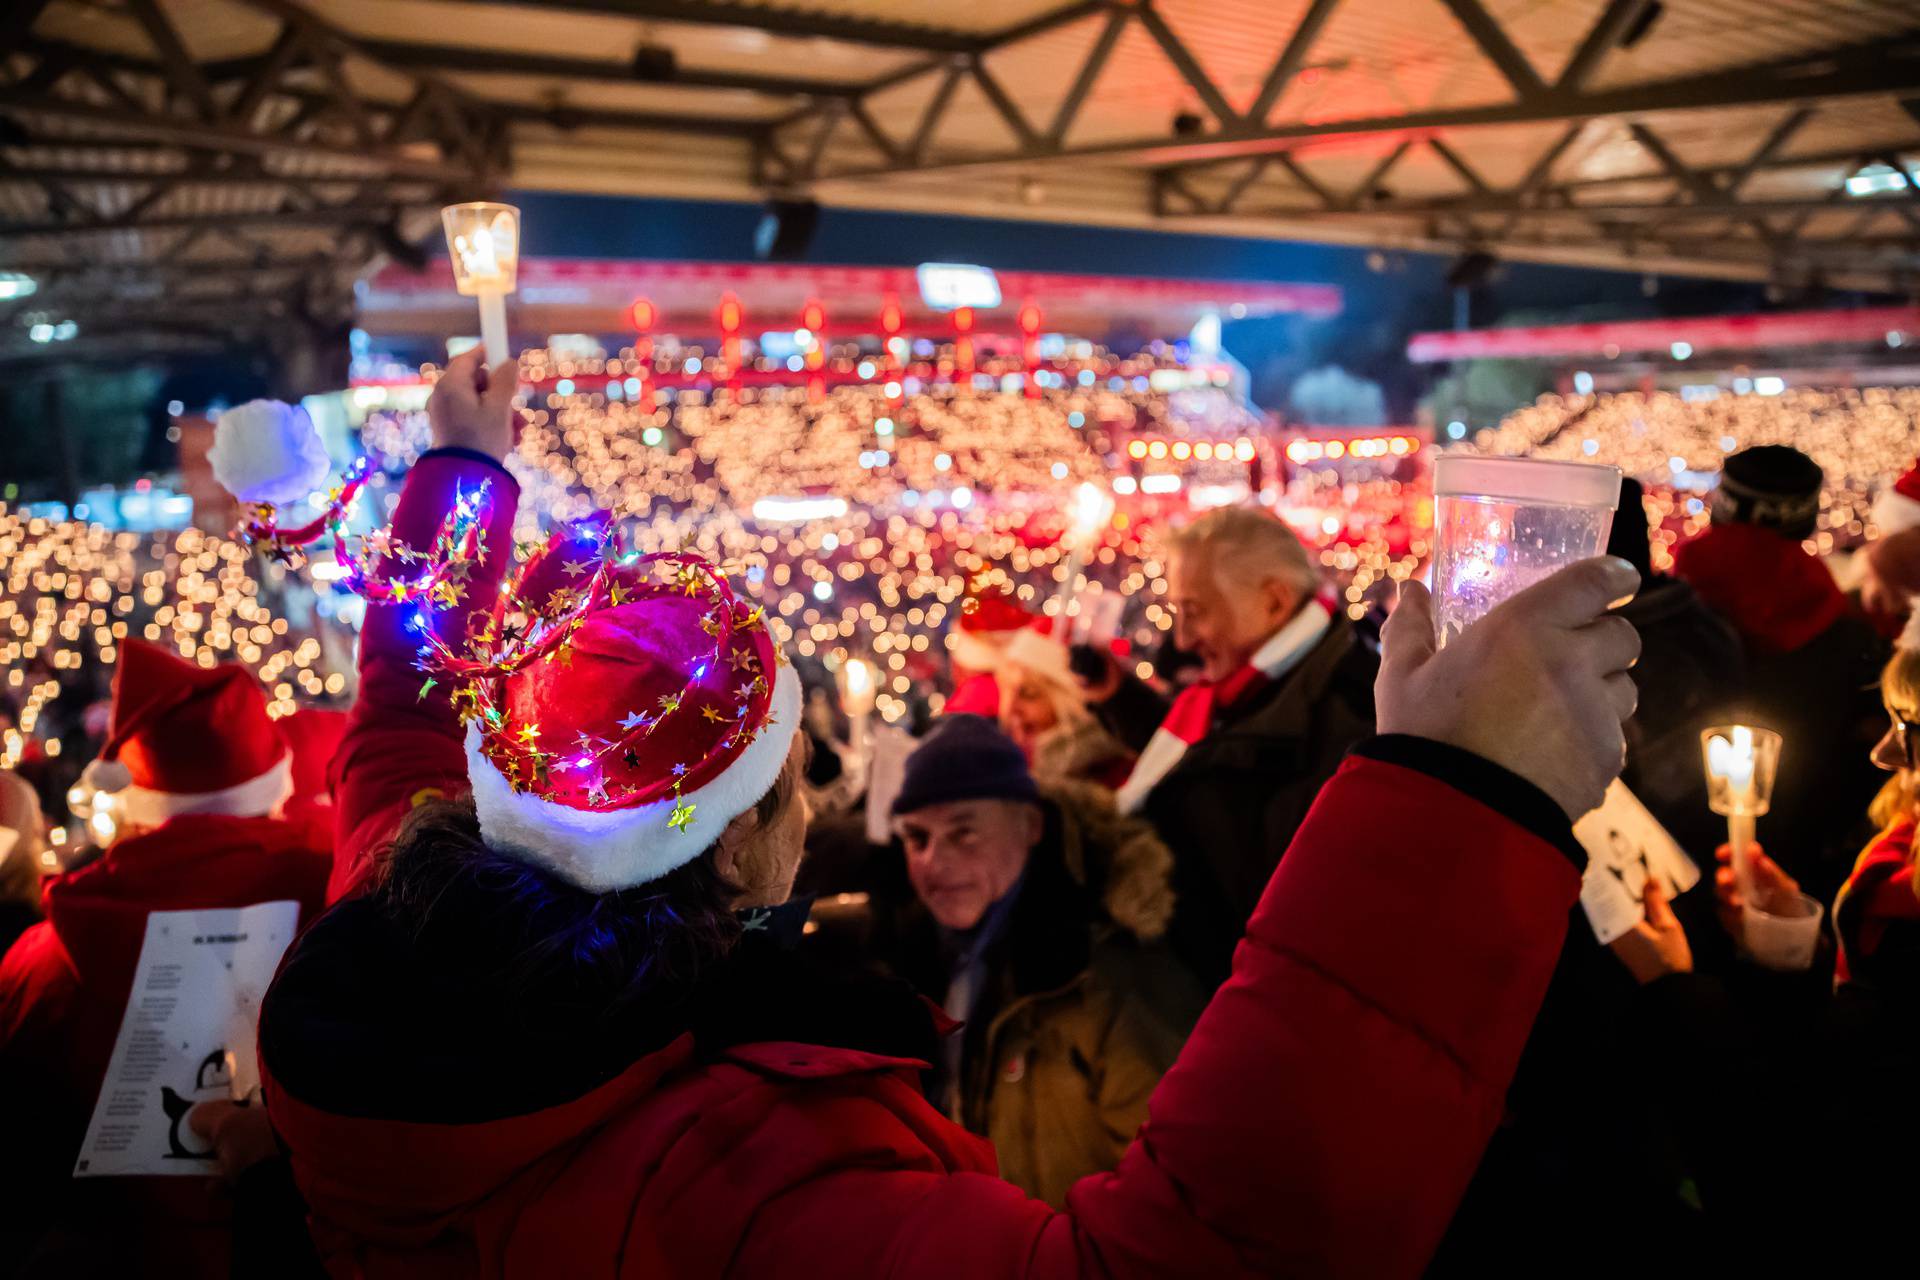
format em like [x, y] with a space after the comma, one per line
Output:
[483, 239]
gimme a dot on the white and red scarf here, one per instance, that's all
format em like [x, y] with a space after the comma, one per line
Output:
[1191, 715]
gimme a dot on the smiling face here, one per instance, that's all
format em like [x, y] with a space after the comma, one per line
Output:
[965, 855]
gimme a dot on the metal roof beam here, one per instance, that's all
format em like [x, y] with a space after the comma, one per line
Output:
[1187, 65]
[1069, 109]
[771, 19]
[1601, 39]
[1287, 65]
[270, 219]
[1493, 41]
[1502, 202]
[1854, 71]
[974, 52]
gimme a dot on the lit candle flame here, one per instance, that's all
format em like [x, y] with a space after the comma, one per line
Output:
[858, 692]
[1733, 760]
[1092, 508]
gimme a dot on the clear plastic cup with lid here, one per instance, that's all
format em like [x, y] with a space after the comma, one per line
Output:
[1502, 524]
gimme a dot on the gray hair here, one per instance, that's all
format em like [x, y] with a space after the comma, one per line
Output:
[1251, 545]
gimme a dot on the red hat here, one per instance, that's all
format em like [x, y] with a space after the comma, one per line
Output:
[996, 613]
[189, 739]
[987, 623]
[626, 720]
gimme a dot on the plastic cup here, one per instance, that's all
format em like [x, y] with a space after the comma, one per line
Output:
[1503, 524]
[1783, 941]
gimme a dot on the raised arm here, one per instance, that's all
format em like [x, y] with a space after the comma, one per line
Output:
[400, 745]
[1335, 1098]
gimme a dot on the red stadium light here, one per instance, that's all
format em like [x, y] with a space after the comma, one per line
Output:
[642, 314]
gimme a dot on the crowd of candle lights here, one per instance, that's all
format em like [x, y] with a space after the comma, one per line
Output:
[74, 591]
[864, 514]
[1862, 438]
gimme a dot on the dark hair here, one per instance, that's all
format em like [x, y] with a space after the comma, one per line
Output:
[529, 934]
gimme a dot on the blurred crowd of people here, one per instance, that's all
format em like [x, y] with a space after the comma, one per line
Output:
[1268, 957]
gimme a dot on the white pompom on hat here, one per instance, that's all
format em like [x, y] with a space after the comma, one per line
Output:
[268, 451]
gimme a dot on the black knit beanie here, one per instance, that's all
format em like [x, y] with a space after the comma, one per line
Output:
[965, 758]
[1770, 485]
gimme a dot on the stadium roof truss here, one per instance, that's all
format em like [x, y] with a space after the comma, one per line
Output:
[261, 153]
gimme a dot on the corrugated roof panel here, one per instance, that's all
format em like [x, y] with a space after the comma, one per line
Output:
[1698, 36]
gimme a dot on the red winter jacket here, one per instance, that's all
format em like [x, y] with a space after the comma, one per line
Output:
[400, 748]
[64, 987]
[1323, 1119]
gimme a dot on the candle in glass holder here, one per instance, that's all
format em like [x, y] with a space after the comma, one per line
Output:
[1741, 762]
[483, 240]
[857, 697]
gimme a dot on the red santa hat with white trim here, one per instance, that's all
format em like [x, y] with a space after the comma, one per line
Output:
[1898, 507]
[188, 739]
[987, 626]
[626, 713]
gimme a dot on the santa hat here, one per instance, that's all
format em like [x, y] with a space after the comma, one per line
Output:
[1040, 654]
[188, 739]
[987, 625]
[629, 713]
[1897, 509]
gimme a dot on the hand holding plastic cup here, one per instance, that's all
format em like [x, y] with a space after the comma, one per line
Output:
[1503, 524]
[1785, 937]
[1741, 762]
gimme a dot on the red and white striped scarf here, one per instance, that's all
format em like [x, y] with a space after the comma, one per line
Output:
[1191, 715]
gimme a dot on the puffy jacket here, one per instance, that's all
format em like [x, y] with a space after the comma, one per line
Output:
[63, 989]
[1083, 1008]
[1082, 752]
[1323, 1118]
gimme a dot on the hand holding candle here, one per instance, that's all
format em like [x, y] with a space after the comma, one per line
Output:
[1741, 761]
[484, 241]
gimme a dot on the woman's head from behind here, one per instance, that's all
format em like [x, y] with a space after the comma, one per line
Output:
[464, 897]
[634, 758]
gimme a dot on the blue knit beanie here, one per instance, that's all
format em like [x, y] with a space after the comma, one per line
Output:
[965, 758]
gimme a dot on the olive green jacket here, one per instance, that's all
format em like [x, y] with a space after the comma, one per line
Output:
[1083, 1006]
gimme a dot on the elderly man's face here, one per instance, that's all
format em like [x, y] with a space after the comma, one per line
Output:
[965, 855]
[1222, 627]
